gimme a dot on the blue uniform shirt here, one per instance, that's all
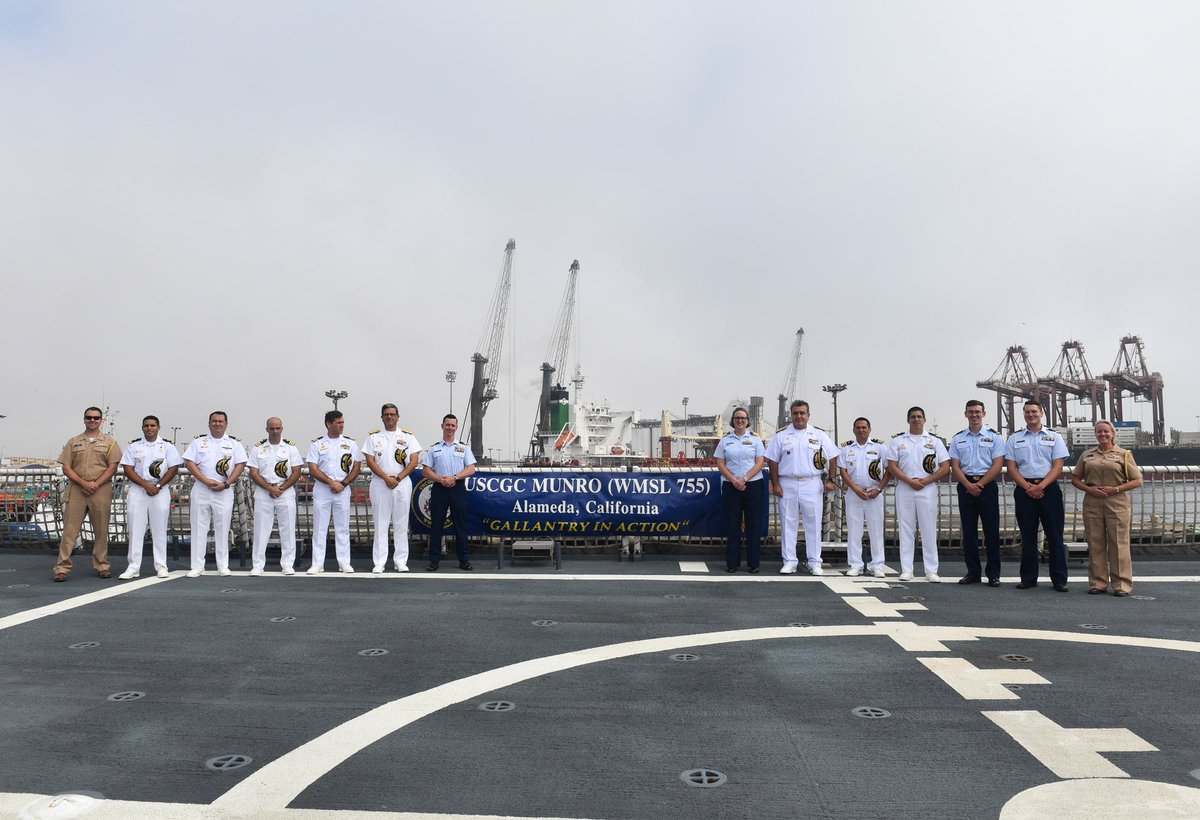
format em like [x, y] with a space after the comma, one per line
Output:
[1035, 453]
[448, 459]
[976, 451]
[740, 453]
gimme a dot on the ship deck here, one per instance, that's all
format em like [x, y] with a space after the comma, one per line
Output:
[596, 691]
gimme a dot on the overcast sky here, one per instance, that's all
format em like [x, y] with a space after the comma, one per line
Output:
[240, 205]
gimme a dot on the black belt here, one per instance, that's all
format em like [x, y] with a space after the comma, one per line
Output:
[974, 479]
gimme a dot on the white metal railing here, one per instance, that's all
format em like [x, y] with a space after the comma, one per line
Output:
[1166, 510]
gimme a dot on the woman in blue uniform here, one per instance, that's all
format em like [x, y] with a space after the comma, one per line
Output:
[740, 458]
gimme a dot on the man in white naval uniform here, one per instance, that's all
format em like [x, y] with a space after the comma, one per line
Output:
[149, 463]
[864, 468]
[333, 462]
[391, 455]
[920, 462]
[215, 461]
[274, 468]
[797, 456]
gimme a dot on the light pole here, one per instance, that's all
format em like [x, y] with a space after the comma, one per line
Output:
[833, 390]
[336, 395]
[450, 377]
[685, 427]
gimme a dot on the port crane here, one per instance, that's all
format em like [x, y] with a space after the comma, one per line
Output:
[1071, 376]
[787, 392]
[1130, 374]
[486, 358]
[554, 402]
[1015, 379]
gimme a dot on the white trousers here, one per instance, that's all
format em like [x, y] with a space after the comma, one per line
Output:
[859, 511]
[326, 505]
[917, 508]
[213, 508]
[267, 511]
[390, 506]
[141, 509]
[802, 500]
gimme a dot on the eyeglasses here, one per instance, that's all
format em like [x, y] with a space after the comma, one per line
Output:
[92, 418]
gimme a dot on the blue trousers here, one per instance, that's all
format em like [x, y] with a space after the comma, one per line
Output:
[1047, 511]
[453, 499]
[971, 509]
[749, 505]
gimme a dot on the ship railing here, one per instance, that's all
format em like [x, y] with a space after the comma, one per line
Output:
[1166, 511]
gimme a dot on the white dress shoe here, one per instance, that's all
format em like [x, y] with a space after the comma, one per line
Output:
[224, 571]
[315, 570]
[933, 578]
[288, 571]
[787, 570]
[854, 572]
[879, 573]
[401, 567]
[816, 571]
[162, 572]
[377, 570]
[906, 576]
[128, 575]
[255, 573]
[345, 568]
[195, 573]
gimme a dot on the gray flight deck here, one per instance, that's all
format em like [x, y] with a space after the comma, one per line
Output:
[590, 692]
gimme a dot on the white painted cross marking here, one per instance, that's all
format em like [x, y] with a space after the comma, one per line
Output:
[871, 607]
[1068, 752]
[974, 683]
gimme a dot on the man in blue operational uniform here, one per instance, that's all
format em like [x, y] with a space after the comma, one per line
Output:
[1035, 458]
[391, 455]
[976, 459]
[920, 461]
[215, 462]
[150, 463]
[797, 456]
[334, 462]
[864, 468]
[275, 469]
[446, 464]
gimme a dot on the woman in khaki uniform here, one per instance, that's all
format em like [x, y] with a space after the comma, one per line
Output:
[1106, 473]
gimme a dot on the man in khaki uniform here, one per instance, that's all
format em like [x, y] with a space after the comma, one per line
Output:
[89, 461]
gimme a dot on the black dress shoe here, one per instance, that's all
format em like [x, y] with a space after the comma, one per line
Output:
[465, 565]
[1094, 591]
[993, 582]
[1061, 588]
[753, 570]
[731, 569]
[1121, 593]
[968, 579]
[433, 565]
[1024, 585]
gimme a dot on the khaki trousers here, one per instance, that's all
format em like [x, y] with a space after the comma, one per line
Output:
[96, 508]
[1106, 527]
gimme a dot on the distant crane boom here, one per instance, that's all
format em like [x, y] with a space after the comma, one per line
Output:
[556, 360]
[487, 354]
[788, 391]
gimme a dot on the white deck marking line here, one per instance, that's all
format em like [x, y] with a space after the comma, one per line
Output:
[1068, 752]
[871, 607]
[118, 588]
[852, 586]
[282, 780]
[12, 803]
[1099, 797]
[973, 683]
[693, 566]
